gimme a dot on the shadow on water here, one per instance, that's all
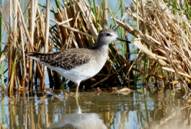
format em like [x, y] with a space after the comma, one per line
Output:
[114, 111]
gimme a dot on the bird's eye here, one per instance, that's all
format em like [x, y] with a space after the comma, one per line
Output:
[108, 34]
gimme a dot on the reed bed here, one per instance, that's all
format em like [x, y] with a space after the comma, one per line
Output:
[163, 37]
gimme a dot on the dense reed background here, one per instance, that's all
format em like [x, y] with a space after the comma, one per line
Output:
[160, 30]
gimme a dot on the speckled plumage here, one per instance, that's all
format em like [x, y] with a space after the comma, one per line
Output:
[67, 59]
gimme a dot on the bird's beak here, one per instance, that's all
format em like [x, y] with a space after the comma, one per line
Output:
[123, 40]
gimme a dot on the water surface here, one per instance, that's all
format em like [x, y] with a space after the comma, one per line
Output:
[115, 111]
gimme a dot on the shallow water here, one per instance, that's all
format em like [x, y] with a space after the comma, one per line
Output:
[114, 111]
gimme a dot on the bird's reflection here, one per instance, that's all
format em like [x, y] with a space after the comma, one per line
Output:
[80, 120]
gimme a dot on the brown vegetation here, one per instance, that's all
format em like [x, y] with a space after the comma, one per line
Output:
[162, 36]
[164, 40]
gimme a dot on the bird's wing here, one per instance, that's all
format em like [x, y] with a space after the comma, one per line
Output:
[67, 60]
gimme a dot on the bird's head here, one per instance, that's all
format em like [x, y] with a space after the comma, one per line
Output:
[107, 36]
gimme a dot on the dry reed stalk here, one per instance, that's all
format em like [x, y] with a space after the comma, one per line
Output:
[11, 53]
[47, 25]
[23, 78]
[24, 24]
[73, 29]
[10, 13]
[33, 17]
[105, 13]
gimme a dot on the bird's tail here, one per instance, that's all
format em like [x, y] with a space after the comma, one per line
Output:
[35, 55]
[42, 57]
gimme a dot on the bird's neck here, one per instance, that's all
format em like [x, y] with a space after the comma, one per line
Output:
[101, 50]
[100, 44]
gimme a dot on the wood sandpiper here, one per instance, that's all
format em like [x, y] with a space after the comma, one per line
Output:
[78, 64]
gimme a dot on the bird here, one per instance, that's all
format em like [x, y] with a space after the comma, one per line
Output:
[79, 64]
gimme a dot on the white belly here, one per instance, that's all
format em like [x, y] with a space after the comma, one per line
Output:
[82, 72]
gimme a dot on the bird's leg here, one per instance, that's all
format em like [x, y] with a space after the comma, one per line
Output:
[77, 89]
[77, 98]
